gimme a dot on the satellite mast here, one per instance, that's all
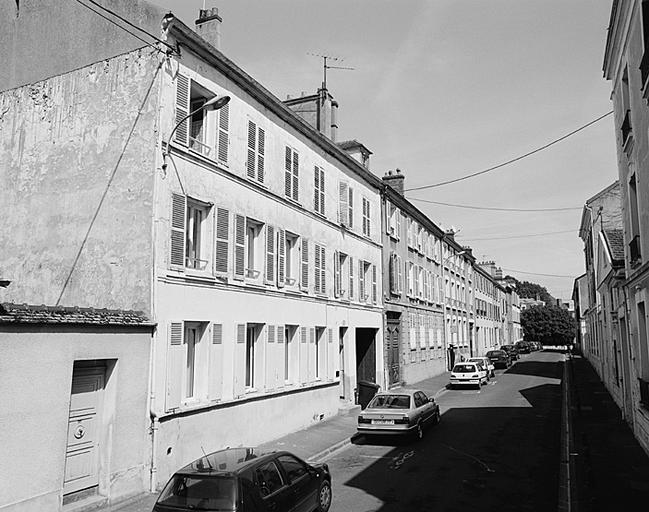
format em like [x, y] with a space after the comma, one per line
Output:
[325, 66]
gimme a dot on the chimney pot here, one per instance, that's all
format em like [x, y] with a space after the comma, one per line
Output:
[208, 26]
[395, 180]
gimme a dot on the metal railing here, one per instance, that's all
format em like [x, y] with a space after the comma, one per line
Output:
[199, 147]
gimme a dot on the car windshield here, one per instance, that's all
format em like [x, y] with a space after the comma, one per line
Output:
[464, 368]
[391, 401]
[199, 493]
[495, 353]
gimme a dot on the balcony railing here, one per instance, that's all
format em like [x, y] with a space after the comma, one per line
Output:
[199, 147]
[626, 127]
[634, 249]
[644, 392]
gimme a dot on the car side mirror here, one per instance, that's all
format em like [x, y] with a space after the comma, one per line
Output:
[431, 400]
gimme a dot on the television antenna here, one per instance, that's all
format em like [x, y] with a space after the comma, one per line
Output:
[326, 66]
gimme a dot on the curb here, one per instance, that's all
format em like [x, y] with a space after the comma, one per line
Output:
[324, 454]
[565, 459]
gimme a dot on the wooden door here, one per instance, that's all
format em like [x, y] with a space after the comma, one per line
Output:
[392, 347]
[81, 456]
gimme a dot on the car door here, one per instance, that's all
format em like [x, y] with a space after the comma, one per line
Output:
[303, 487]
[424, 405]
[273, 487]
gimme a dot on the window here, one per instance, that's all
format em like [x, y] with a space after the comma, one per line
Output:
[634, 220]
[644, 63]
[411, 278]
[341, 274]
[268, 478]
[366, 217]
[291, 355]
[254, 248]
[304, 265]
[190, 241]
[320, 344]
[291, 171]
[320, 269]
[256, 147]
[191, 339]
[394, 221]
[253, 358]
[345, 205]
[293, 468]
[394, 274]
[319, 190]
[363, 269]
[291, 264]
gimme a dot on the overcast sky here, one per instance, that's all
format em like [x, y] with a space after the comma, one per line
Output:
[444, 88]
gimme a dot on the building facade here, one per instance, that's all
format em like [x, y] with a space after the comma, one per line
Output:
[626, 65]
[489, 311]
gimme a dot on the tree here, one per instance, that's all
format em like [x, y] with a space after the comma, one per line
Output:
[528, 290]
[551, 325]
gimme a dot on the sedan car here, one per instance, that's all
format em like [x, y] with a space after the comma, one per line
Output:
[499, 358]
[400, 411]
[512, 351]
[523, 347]
[486, 363]
[246, 480]
[467, 373]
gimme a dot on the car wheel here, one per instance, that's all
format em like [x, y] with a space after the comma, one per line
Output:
[419, 432]
[324, 497]
[437, 418]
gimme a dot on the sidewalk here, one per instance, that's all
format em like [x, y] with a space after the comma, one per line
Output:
[611, 469]
[313, 444]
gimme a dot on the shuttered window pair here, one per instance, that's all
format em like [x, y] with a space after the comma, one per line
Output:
[318, 190]
[345, 205]
[396, 274]
[393, 222]
[291, 174]
[256, 152]
[189, 240]
[367, 282]
[197, 132]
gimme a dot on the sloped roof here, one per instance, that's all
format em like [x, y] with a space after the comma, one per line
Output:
[615, 240]
[32, 314]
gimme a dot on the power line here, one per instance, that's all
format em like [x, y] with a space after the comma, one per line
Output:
[498, 209]
[535, 274]
[519, 236]
[513, 159]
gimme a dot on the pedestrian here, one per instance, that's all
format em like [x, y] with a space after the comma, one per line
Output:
[451, 357]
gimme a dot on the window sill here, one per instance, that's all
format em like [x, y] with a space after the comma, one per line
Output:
[200, 275]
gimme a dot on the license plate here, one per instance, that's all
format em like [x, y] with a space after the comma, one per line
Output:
[382, 422]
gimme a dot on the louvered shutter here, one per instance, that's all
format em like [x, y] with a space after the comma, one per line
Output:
[304, 355]
[215, 368]
[296, 167]
[343, 206]
[240, 360]
[178, 209]
[399, 275]
[350, 212]
[223, 136]
[271, 356]
[331, 355]
[182, 109]
[252, 146]
[361, 280]
[312, 356]
[281, 258]
[175, 359]
[222, 240]
[304, 281]
[393, 274]
[398, 224]
[288, 173]
[322, 192]
[270, 254]
[375, 293]
[316, 189]
[323, 270]
[239, 247]
[336, 274]
[316, 273]
[351, 278]
[261, 148]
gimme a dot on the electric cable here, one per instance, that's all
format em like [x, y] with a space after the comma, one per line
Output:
[535, 274]
[497, 209]
[468, 239]
[529, 153]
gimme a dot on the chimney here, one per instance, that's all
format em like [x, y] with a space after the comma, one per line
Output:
[208, 26]
[334, 120]
[395, 180]
[468, 250]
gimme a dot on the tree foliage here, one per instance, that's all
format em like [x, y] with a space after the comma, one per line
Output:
[529, 290]
[551, 325]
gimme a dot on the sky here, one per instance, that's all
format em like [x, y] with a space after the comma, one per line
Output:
[445, 88]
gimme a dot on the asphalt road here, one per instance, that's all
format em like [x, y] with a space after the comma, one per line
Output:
[495, 449]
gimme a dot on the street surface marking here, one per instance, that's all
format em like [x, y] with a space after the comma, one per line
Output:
[398, 461]
[487, 468]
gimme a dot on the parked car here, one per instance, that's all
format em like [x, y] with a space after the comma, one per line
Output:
[486, 362]
[400, 411]
[245, 480]
[499, 358]
[467, 373]
[523, 347]
[512, 351]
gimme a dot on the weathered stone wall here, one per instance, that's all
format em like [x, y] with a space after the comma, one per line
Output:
[76, 175]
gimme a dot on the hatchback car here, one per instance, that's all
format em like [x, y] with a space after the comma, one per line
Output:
[471, 374]
[400, 411]
[245, 480]
[512, 351]
[499, 358]
[486, 363]
[523, 347]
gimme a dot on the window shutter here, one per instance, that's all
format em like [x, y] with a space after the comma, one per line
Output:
[281, 258]
[270, 254]
[375, 294]
[389, 212]
[288, 175]
[223, 136]
[252, 146]
[312, 357]
[222, 240]
[343, 206]
[215, 368]
[271, 358]
[261, 147]
[323, 269]
[318, 262]
[400, 275]
[296, 166]
[398, 224]
[175, 352]
[361, 280]
[351, 278]
[316, 189]
[304, 281]
[322, 192]
[331, 355]
[182, 109]
[240, 360]
[239, 247]
[336, 274]
[178, 209]
[350, 214]
[393, 274]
